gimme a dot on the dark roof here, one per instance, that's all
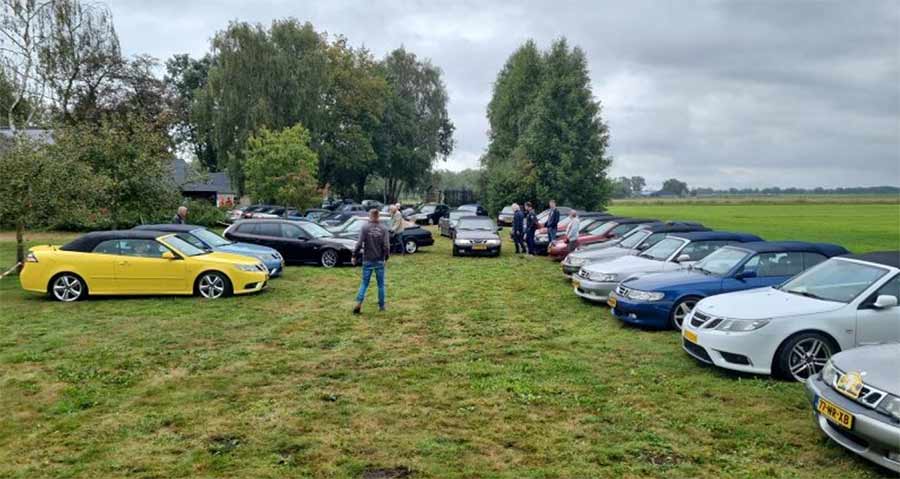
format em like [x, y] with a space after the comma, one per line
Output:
[887, 258]
[718, 236]
[675, 228]
[217, 182]
[86, 243]
[169, 228]
[826, 249]
[631, 221]
[594, 214]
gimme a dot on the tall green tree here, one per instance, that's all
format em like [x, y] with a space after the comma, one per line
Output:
[415, 130]
[281, 167]
[185, 76]
[676, 187]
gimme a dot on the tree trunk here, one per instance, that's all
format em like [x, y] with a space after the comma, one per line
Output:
[20, 244]
[361, 188]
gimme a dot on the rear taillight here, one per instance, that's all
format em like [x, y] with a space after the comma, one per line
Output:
[31, 258]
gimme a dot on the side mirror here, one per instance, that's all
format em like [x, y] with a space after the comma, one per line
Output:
[171, 255]
[746, 274]
[683, 258]
[884, 301]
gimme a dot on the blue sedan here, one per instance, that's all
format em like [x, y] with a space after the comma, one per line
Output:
[205, 239]
[663, 300]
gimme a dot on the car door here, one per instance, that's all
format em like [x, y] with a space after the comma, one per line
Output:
[879, 325]
[98, 267]
[296, 243]
[142, 269]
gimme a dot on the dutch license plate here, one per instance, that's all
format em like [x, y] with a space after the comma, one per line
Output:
[690, 336]
[835, 414]
[612, 300]
[479, 246]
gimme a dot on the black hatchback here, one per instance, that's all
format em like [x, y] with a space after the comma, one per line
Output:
[298, 242]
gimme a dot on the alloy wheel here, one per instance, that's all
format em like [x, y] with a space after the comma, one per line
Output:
[211, 286]
[808, 357]
[411, 247]
[329, 258]
[681, 311]
[67, 288]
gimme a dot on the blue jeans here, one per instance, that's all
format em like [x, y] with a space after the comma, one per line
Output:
[551, 234]
[378, 268]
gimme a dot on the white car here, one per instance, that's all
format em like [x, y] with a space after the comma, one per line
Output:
[595, 281]
[793, 329]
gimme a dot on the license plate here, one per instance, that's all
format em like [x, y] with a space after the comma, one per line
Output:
[835, 414]
[612, 300]
[690, 336]
[479, 246]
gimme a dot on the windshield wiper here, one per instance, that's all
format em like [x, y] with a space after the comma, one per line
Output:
[807, 294]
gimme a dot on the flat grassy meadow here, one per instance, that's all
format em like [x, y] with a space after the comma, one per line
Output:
[480, 368]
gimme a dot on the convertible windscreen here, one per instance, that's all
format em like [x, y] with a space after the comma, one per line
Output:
[634, 239]
[485, 225]
[210, 238]
[603, 228]
[662, 250]
[834, 280]
[721, 261]
[184, 247]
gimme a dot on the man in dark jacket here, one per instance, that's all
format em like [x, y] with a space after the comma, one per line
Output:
[180, 217]
[531, 225]
[372, 249]
[518, 229]
[552, 222]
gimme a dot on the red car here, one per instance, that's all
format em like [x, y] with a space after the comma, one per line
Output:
[600, 232]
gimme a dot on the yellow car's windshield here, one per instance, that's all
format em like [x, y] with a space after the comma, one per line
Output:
[183, 246]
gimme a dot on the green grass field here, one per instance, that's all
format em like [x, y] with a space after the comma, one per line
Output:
[481, 368]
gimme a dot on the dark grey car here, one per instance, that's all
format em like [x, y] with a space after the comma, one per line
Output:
[856, 402]
[476, 235]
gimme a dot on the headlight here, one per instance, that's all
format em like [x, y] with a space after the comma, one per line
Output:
[575, 261]
[493, 242]
[645, 295]
[604, 277]
[829, 373]
[891, 406]
[249, 267]
[463, 242]
[741, 325]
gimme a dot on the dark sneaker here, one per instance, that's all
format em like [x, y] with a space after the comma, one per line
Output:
[357, 309]
[382, 308]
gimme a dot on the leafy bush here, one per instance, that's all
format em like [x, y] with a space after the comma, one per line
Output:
[204, 213]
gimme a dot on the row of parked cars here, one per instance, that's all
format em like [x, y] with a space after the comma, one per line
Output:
[799, 310]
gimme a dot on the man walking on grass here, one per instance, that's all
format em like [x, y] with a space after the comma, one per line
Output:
[372, 249]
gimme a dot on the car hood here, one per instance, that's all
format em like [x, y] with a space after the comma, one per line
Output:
[876, 364]
[219, 257]
[476, 235]
[247, 248]
[674, 280]
[631, 264]
[764, 303]
[343, 242]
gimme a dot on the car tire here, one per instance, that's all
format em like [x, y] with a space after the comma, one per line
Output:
[410, 246]
[328, 258]
[212, 285]
[681, 310]
[67, 288]
[803, 355]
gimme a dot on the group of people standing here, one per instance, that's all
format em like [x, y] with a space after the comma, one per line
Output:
[525, 224]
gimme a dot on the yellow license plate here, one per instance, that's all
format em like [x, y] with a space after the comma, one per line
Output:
[690, 336]
[479, 246]
[835, 414]
[612, 300]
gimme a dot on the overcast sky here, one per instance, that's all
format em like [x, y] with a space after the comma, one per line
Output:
[737, 93]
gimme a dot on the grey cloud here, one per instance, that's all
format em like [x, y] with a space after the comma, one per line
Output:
[717, 93]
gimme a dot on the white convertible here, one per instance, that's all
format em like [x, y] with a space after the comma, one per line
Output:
[792, 330]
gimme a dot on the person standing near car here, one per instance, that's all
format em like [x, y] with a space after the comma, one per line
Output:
[531, 225]
[572, 230]
[552, 222]
[373, 250]
[397, 227]
[518, 229]
[180, 217]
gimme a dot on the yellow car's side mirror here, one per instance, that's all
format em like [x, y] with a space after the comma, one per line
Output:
[169, 255]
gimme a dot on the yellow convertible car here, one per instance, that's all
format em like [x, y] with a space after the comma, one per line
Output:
[138, 262]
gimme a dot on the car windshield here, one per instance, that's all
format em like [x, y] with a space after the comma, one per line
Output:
[316, 231]
[427, 209]
[455, 215]
[721, 261]
[622, 229]
[602, 228]
[183, 246]
[475, 224]
[634, 238]
[210, 238]
[834, 280]
[663, 250]
[507, 210]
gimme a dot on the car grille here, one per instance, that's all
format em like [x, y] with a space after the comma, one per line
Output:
[706, 321]
[868, 396]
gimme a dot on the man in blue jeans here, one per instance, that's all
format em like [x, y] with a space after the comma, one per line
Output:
[373, 248]
[552, 223]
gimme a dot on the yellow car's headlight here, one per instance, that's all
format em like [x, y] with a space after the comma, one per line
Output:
[250, 267]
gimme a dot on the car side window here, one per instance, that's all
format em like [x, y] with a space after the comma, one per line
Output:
[291, 232]
[107, 247]
[812, 259]
[247, 228]
[142, 248]
[272, 230]
[779, 264]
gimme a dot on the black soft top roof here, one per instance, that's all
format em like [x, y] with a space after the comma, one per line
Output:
[170, 227]
[676, 227]
[88, 242]
[631, 221]
[887, 258]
